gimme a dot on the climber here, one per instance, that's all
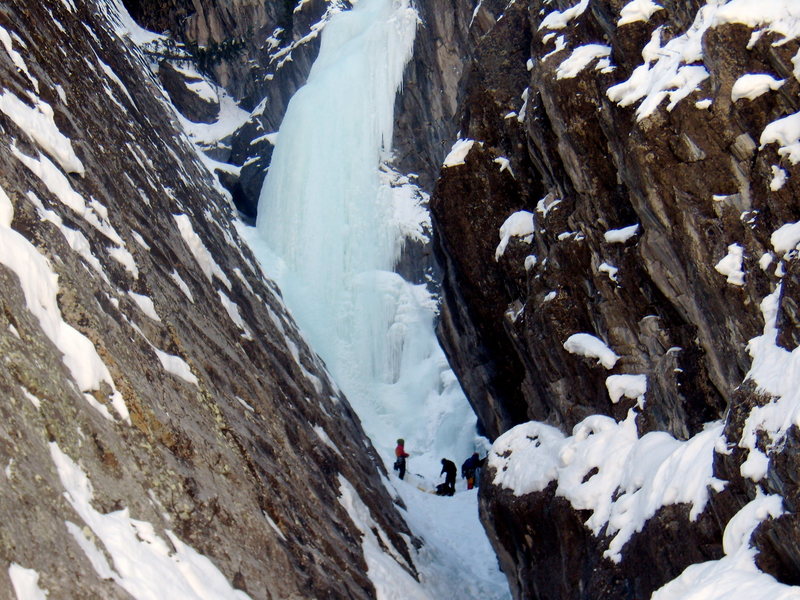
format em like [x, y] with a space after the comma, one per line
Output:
[401, 456]
[448, 488]
[469, 470]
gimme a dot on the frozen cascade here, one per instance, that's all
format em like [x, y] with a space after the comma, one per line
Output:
[329, 236]
[326, 216]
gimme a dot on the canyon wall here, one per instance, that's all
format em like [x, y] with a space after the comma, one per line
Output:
[161, 410]
[651, 211]
[619, 201]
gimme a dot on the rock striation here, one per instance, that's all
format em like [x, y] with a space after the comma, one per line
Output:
[154, 386]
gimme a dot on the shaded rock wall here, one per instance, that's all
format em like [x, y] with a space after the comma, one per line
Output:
[696, 180]
[249, 73]
[236, 439]
[607, 171]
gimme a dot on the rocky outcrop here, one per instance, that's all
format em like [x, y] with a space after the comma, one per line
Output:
[262, 28]
[143, 349]
[190, 94]
[677, 298]
[259, 52]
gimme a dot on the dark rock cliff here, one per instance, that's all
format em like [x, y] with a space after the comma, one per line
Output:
[166, 366]
[696, 177]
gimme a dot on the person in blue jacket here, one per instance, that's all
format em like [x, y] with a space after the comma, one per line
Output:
[469, 470]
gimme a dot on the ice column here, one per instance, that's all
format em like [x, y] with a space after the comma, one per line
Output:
[324, 214]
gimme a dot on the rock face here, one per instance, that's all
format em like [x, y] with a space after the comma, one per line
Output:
[183, 91]
[143, 348]
[694, 166]
[259, 52]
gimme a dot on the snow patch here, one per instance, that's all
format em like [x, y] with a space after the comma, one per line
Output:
[125, 258]
[609, 270]
[786, 133]
[182, 285]
[233, 312]
[781, 17]
[505, 164]
[668, 71]
[637, 10]
[322, 435]
[201, 254]
[38, 123]
[775, 371]
[580, 59]
[786, 238]
[142, 563]
[140, 240]
[620, 236]
[17, 59]
[584, 344]
[779, 177]
[176, 366]
[458, 153]
[59, 185]
[628, 386]
[146, 305]
[385, 566]
[75, 239]
[753, 85]
[731, 265]
[26, 583]
[274, 525]
[734, 576]
[230, 119]
[519, 224]
[40, 286]
[559, 20]
[113, 77]
[33, 399]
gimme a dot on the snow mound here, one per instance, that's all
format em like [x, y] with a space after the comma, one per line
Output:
[606, 468]
[519, 224]
[585, 344]
[458, 153]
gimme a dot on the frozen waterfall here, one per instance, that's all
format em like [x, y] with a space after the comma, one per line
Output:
[328, 216]
[332, 220]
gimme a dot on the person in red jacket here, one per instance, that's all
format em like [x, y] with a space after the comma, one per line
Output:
[400, 453]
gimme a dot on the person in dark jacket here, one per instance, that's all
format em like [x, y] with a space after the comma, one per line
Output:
[470, 468]
[449, 470]
[401, 456]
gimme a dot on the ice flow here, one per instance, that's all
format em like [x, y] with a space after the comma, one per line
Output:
[326, 215]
